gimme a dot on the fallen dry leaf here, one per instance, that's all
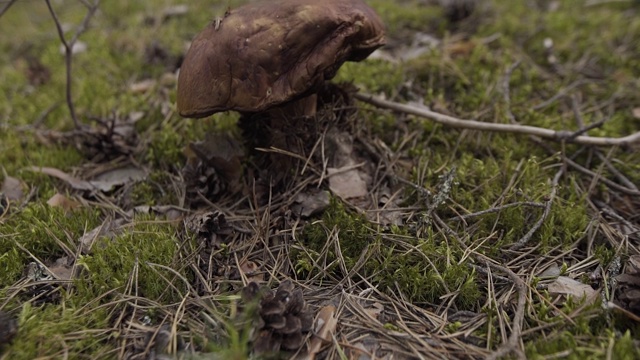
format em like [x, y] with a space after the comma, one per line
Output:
[74, 182]
[308, 204]
[567, 286]
[375, 310]
[251, 271]
[113, 178]
[109, 229]
[636, 112]
[324, 328]
[60, 269]
[104, 182]
[347, 184]
[63, 202]
[12, 188]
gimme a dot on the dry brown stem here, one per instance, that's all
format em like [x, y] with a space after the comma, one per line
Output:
[68, 51]
[568, 136]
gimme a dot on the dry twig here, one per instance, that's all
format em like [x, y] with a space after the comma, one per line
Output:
[506, 128]
[68, 50]
[547, 210]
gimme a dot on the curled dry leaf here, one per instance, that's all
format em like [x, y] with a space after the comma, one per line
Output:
[108, 229]
[63, 202]
[12, 188]
[104, 182]
[347, 182]
[251, 271]
[324, 328]
[74, 182]
[567, 286]
[113, 178]
[308, 204]
[61, 269]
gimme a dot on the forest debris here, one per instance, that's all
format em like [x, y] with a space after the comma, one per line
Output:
[12, 188]
[628, 291]
[63, 202]
[113, 178]
[61, 269]
[567, 286]
[309, 204]
[8, 327]
[251, 271]
[284, 317]
[104, 182]
[213, 168]
[347, 182]
[325, 328]
[109, 229]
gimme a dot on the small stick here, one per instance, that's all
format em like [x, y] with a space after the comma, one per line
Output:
[547, 210]
[506, 128]
[68, 52]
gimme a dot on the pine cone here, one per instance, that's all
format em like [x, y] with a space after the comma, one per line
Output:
[284, 317]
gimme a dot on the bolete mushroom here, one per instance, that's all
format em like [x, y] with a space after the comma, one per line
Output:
[274, 55]
[267, 60]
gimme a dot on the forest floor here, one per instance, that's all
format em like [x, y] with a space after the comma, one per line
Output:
[125, 238]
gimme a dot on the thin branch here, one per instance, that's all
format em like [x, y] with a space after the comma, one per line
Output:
[545, 214]
[497, 209]
[506, 128]
[68, 52]
[518, 319]
[6, 7]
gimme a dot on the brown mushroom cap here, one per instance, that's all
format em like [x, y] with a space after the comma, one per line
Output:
[272, 52]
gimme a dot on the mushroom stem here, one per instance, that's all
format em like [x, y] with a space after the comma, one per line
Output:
[300, 109]
[287, 131]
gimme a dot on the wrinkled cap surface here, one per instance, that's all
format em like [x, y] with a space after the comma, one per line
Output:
[271, 52]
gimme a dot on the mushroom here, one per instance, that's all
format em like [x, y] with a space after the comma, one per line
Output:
[268, 60]
[274, 56]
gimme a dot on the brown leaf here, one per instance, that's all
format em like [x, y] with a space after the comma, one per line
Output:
[12, 188]
[307, 204]
[63, 202]
[636, 112]
[325, 327]
[251, 271]
[113, 178]
[60, 269]
[74, 182]
[109, 229]
[564, 285]
[347, 182]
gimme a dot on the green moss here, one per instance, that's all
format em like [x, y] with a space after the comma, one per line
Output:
[115, 262]
[373, 76]
[53, 331]
[40, 230]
